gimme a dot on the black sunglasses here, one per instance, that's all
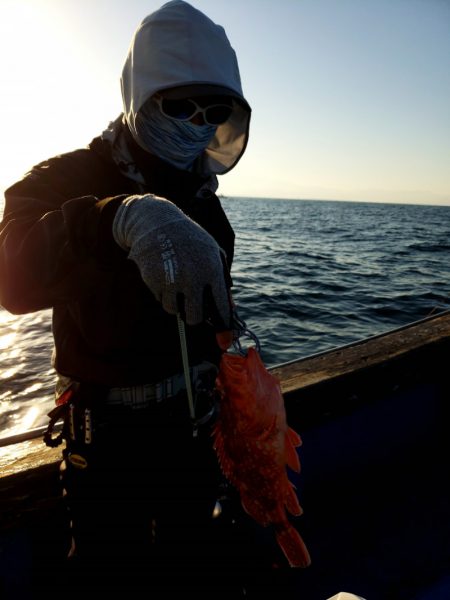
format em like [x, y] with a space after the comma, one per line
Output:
[186, 109]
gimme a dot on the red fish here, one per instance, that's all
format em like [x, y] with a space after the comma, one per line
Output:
[254, 444]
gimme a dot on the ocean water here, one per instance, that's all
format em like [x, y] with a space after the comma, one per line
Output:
[308, 276]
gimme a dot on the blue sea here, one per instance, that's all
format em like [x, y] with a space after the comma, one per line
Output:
[308, 276]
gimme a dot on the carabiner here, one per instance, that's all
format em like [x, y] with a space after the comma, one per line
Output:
[241, 330]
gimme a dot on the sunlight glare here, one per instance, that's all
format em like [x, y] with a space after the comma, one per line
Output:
[5, 317]
[9, 373]
[46, 70]
[25, 47]
[7, 340]
[29, 419]
[32, 388]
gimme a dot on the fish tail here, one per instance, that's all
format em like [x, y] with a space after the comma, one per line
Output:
[293, 546]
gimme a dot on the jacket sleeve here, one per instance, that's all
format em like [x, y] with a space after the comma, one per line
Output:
[54, 243]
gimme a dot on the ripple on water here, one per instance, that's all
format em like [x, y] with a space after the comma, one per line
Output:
[308, 276]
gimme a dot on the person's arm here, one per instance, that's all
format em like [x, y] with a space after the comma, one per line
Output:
[50, 240]
[53, 247]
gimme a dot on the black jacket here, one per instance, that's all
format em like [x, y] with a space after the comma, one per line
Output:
[57, 250]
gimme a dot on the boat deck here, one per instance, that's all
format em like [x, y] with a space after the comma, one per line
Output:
[374, 418]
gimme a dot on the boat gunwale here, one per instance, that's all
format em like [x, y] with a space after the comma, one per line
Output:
[295, 376]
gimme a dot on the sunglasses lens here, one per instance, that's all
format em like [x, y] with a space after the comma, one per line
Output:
[178, 109]
[185, 109]
[216, 115]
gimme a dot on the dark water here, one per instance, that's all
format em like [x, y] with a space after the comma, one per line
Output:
[308, 276]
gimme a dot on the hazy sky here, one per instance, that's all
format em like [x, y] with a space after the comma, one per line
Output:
[350, 98]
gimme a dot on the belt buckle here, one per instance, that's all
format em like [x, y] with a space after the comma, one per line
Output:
[165, 389]
[138, 396]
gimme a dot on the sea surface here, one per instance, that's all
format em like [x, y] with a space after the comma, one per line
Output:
[308, 276]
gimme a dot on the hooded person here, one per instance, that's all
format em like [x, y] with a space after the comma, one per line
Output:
[178, 53]
[192, 116]
[118, 239]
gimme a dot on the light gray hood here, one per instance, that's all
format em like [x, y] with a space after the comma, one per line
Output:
[178, 45]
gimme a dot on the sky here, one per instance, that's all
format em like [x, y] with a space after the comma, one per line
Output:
[350, 98]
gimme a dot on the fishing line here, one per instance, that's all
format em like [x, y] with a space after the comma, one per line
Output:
[185, 358]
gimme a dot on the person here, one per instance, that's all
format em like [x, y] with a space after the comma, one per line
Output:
[127, 241]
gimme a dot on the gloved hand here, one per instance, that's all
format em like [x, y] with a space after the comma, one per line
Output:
[174, 256]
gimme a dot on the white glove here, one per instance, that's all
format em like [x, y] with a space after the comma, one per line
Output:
[177, 259]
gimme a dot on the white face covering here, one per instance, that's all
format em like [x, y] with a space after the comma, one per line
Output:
[177, 142]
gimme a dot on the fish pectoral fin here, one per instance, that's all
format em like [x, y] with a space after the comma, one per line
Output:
[291, 501]
[294, 437]
[291, 456]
